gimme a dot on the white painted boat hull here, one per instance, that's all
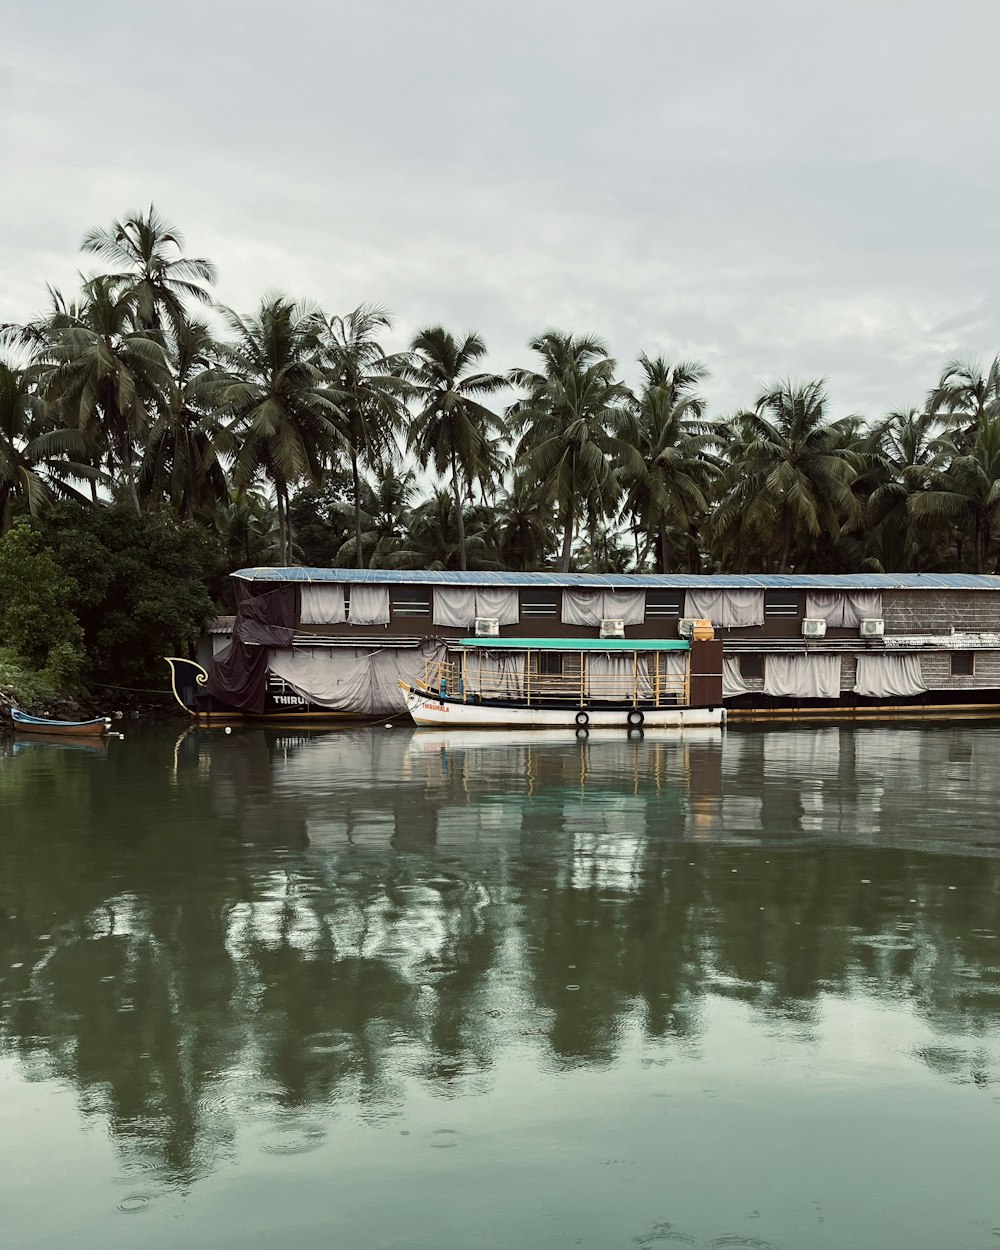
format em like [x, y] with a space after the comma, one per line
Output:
[439, 713]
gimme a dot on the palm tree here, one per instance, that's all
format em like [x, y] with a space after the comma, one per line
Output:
[153, 275]
[789, 474]
[431, 533]
[188, 438]
[670, 481]
[106, 377]
[283, 419]
[33, 459]
[523, 527]
[963, 487]
[248, 527]
[895, 450]
[965, 397]
[575, 428]
[370, 391]
[452, 428]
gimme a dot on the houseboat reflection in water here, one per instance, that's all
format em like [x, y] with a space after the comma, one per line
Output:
[263, 932]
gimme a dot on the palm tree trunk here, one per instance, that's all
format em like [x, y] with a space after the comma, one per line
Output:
[978, 552]
[129, 470]
[289, 536]
[664, 550]
[356, 478]
[786, 549]
[459, 519]
[567, 546]
[282, 537]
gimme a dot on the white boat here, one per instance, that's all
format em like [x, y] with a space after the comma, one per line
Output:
[559, 683]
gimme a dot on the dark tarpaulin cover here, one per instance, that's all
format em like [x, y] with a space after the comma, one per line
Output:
[258, 634]
[239, 674]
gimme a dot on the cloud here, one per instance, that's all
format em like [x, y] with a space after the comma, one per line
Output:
[777, 189]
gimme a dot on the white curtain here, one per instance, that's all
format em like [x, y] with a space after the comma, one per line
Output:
[882, 676]
[500, 604]
[353, 679]
[732, 609]
[673, 668]
[843, 609]
[630, 605]
[495, 674]
[590, 607]
[802, 676]
[454, 606]
[733, 681]
[322, 605]
[582, 607]
[612, 675]
[369, 605]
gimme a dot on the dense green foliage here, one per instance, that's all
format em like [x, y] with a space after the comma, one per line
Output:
[143, 585]
[103, 592]
[37, 597]
[223, 439]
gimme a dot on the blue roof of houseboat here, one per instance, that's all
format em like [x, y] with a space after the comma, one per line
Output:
[648, 581]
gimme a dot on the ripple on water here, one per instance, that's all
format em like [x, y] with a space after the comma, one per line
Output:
[443, 1138]
[134, 1203]
[736, 1241]
[662, 1236]
[331, 1043]
[884, 942]
[294, 1139]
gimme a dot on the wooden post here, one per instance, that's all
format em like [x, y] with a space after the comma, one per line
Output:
[582, 687]
[527, 678]
[635, 678]
[465, 673]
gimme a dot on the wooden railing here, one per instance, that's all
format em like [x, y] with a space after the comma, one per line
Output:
[468, 678]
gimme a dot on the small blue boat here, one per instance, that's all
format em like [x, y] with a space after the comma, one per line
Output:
[24, 723]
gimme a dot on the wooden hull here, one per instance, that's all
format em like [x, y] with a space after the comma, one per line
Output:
[428, 709]
[72, 742]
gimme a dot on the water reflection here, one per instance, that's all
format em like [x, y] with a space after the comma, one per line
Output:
[279, 926]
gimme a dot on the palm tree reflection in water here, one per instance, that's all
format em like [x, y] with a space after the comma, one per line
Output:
[271, 923]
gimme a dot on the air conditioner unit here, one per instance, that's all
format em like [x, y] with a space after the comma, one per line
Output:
[872, 627]
[613, 627]
[813, 627]
[685, 626]
[487, 627]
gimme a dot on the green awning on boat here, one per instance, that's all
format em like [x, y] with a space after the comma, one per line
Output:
[577, 644]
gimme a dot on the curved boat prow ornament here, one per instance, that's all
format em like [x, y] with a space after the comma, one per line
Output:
[187, 678]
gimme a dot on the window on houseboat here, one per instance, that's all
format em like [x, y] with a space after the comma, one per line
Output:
[963, 663]
[781, 603]
[539, 602]
[752, 665]
[663, 603]
[410, 601]
[549, 663]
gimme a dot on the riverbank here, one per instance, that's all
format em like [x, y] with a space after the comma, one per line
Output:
[27, 690]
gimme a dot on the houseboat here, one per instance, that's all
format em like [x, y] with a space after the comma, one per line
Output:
[354, 644]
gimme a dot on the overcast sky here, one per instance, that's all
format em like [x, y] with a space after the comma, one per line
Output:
[773, 187]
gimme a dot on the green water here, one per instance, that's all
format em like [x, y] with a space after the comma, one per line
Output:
[381, 988]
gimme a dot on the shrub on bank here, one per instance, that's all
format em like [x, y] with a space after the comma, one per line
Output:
[39, 629]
